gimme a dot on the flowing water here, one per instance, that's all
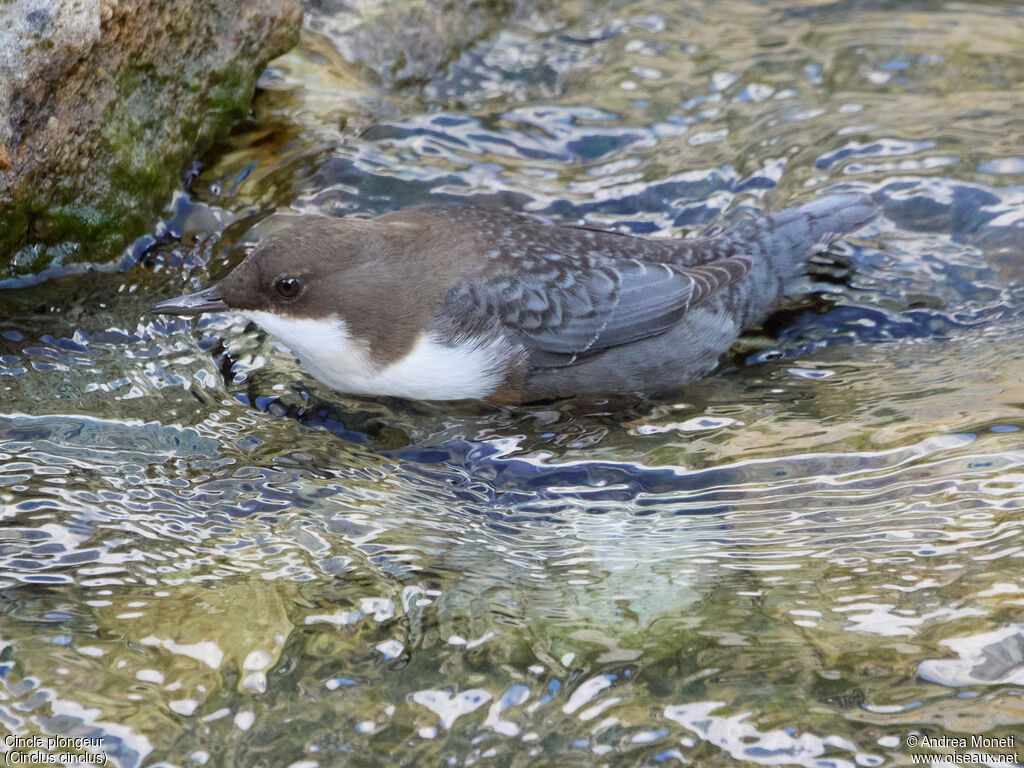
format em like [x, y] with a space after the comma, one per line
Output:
[811, 558]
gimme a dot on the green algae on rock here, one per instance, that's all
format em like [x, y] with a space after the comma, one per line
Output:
[102, 105]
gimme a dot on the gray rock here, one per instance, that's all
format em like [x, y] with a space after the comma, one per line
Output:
[102, 104]
[408, 42]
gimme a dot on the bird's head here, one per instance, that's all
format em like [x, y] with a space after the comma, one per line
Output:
[314, 267]
[337, 292]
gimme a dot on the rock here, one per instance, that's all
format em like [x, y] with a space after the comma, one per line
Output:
[102, 104]
[407, 42]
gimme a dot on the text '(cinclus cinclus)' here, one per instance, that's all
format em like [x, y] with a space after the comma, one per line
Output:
[448, 303]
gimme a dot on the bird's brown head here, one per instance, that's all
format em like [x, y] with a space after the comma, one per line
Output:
[370, 274]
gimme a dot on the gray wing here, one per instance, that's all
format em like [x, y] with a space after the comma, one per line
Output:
[568, 314]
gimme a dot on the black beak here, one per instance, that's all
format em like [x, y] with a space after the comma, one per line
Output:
[206, 300]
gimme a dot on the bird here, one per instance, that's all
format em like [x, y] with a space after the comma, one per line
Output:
[458, 302]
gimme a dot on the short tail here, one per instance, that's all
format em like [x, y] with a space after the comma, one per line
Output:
[788, 238]
[780, 245]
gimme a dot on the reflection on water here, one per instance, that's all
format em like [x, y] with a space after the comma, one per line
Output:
[209, 559]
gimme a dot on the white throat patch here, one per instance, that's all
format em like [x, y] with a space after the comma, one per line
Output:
[430, 371]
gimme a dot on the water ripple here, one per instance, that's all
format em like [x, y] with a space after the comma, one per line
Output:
[206, 557]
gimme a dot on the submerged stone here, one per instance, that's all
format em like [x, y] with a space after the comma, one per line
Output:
[408, 43]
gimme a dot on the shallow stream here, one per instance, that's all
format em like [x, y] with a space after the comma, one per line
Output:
[207, 558]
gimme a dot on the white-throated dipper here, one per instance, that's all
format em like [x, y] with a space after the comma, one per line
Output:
[456, 302]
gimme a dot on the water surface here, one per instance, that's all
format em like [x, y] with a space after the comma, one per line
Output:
[207, 558]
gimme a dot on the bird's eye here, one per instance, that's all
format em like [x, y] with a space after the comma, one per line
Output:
[288, 287]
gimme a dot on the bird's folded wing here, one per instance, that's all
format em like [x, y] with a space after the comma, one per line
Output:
[565, 316]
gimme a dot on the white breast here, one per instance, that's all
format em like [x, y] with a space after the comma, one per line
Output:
[430, 371]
